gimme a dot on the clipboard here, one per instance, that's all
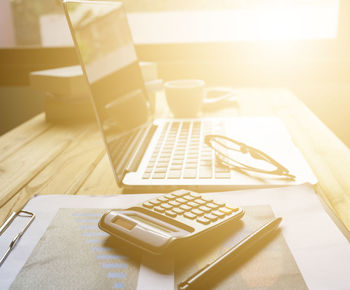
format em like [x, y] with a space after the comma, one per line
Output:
[15, 240]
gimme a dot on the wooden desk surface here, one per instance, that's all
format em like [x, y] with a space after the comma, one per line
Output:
[43, 158]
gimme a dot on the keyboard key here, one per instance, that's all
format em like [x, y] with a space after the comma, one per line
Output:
[178, 157]
[146, 176]
[221, 168]
[164, 159]
[175, 167]
[189, 215]
[197, 212]
[160, 170]
[189, 166]
[159, 209]
[162, 165]
[170, 213]
[174, 174]
[203, 220]
[190, 173]
[211, 217]
[205, 172]
[158, 175]
[223, 175]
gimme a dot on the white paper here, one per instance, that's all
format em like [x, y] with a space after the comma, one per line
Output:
[321, 251]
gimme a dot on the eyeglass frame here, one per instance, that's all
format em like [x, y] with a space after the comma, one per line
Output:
[244, 148]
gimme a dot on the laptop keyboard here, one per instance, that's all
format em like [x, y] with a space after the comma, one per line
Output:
[181, 152]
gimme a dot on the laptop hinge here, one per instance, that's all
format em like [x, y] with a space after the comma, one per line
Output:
[142, 140]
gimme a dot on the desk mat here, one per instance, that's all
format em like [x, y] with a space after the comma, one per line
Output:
[75, 254]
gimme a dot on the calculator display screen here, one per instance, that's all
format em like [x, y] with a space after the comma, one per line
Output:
[150, 223]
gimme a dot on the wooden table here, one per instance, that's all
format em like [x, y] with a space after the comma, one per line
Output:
[43, 158]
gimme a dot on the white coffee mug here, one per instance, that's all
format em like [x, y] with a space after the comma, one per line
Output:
[185, 97]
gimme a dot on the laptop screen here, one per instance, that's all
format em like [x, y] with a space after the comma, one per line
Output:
[102, 37]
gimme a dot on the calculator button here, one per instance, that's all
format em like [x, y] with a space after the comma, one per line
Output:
[174, 203]
[148, 204]
[180, 193]
[171, 213]
[203, 220]
[212, 205]
[205, 209]
[211, 217]
[185, 207]
[197, 212]
[218, 213]
[225, 210]
[162, 199]
[178, 210]
[194, 194]
[166, 206]
[181, 200]
[189, 197]
[159, 209]
[207, 199]
[189, 215]
[200, 201]
[192, 204]
[219, 203]
[170, 196]
[155, 202]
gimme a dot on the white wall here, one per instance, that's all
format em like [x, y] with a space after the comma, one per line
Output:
[7, 35]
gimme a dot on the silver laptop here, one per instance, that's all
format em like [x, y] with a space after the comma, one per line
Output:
[161, 154]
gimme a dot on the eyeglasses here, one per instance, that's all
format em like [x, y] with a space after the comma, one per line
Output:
[239, 156]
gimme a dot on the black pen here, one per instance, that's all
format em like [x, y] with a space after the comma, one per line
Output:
[197, 278]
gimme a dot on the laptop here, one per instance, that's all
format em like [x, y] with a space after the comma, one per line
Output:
[146, 154]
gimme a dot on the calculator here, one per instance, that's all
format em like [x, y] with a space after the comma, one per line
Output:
[159, 223]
